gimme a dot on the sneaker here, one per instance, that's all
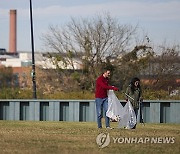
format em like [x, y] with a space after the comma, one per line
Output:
[109, 128]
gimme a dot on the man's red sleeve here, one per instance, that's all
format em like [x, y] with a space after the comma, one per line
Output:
[101, 83]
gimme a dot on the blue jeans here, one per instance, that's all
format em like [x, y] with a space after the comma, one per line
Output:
[101, 103]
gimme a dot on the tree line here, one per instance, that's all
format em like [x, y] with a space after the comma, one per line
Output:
[101, 42]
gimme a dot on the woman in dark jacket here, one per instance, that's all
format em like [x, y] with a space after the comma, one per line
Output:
[134, 94]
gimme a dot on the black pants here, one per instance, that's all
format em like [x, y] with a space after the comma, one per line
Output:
[136, 113]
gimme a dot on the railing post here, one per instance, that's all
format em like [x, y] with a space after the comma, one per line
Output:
[92, 113]
[14, 110]
[34, 111]
[54, 111]
[74, 111]
[174, 112]
[155, 112]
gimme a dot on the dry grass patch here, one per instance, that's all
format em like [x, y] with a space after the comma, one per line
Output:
[80, 137]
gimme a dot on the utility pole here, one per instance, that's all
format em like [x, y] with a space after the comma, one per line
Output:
[33, 60]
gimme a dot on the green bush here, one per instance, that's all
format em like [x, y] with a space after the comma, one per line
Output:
[158, 94]
[16, 93]
[71, 95]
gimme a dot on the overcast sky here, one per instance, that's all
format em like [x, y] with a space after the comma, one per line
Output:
[160, 19]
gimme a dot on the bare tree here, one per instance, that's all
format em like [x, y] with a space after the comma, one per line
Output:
[6, 77]
[132, 64]
[91, 41]
[166, 67]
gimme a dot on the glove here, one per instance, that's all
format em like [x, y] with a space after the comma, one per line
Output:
[115, 89]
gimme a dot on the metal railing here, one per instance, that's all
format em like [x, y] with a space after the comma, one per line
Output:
[154, 111]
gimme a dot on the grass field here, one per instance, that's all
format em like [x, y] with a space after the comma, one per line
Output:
[80, 137]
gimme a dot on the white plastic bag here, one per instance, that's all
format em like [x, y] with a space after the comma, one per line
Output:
[124, 115]
[128, 120]
[115, 108]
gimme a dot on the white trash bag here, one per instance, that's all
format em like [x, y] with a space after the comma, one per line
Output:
[115, 109]
[128, 120]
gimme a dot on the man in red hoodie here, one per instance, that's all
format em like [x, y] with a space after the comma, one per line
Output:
[102, 86]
